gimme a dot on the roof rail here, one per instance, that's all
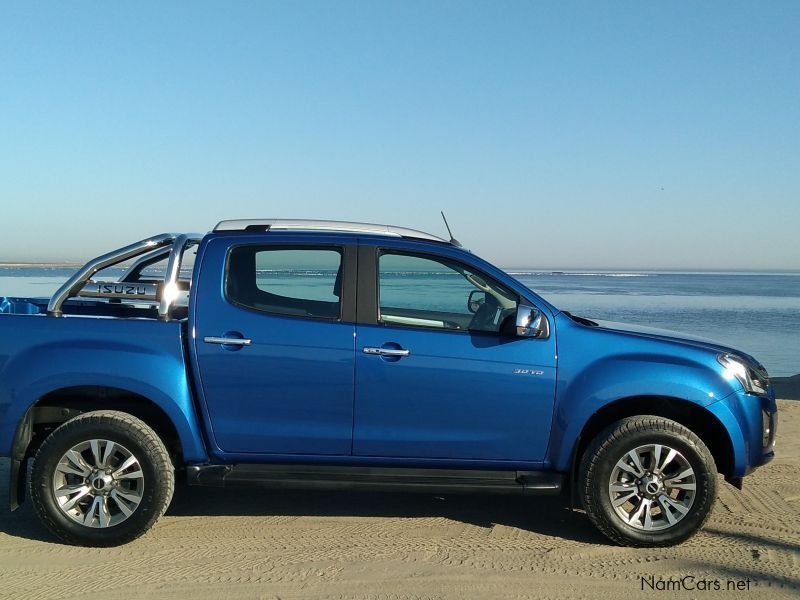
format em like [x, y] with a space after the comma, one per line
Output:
[315, 225]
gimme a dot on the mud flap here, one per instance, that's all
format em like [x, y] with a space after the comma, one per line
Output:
[19, 461]
[735, 482]
[16, 484]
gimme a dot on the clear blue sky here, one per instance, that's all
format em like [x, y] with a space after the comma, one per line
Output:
[585, 135]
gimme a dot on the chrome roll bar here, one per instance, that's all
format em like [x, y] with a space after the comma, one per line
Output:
[170, 291]
[166, 292]
[143, 262]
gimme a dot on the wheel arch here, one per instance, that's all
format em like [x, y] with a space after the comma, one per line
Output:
[698, 419]
[63, 404]
[60, 405]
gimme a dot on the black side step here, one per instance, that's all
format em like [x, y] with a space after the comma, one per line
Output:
[323, 477]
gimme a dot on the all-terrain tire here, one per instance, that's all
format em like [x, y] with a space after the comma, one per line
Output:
[149, 480]
[609, 457]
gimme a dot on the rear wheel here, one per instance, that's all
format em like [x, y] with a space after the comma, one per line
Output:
[101, 479]
[648, 481]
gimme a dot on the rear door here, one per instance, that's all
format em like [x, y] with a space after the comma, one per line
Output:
[435, 377]
[273, 338]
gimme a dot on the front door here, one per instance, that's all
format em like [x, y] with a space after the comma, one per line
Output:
[275, 356]
[437, 377]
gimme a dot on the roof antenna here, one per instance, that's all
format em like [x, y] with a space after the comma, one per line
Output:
[453, 240]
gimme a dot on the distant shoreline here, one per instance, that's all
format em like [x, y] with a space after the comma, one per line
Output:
[644, 272]
[512, 270]
[61, 265]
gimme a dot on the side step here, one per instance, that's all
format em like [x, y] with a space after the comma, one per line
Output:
[316, 477]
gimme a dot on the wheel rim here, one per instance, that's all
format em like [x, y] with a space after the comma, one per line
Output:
[652, 487]
[98, 483]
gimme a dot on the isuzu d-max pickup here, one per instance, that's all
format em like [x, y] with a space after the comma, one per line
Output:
[332, 355]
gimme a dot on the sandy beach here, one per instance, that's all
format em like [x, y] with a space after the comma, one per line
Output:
[252, 544]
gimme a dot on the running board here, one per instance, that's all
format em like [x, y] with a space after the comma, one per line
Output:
[391, 479]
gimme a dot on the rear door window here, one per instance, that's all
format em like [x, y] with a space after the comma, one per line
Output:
[298, 282]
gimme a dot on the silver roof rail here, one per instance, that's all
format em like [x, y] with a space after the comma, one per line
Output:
[332, 226]
[164, 292]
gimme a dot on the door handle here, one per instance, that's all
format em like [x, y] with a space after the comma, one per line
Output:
[226, 341]
[386, 351]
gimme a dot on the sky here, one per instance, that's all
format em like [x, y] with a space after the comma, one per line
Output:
[619, 135]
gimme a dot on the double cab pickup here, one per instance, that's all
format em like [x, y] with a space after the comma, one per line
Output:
[334, 355]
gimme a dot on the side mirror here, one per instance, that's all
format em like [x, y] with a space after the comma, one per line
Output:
[531, 322]
[476, 299]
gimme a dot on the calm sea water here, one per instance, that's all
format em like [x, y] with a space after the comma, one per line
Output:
[756, 312]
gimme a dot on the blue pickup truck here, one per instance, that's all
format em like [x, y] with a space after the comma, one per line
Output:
[332, 355]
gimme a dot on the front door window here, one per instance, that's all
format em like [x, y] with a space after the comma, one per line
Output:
[418, 291]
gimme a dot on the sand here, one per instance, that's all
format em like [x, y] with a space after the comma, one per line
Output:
[233, 544]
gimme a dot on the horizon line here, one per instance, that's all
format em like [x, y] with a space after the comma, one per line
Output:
[524, 269]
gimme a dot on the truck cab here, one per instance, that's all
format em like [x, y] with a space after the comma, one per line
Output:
[344, 345]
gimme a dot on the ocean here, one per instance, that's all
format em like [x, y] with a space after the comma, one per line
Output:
[755, 312]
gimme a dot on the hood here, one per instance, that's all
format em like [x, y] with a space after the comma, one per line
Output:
[671, 336]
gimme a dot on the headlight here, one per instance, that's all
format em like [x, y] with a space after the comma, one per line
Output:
[753, 378]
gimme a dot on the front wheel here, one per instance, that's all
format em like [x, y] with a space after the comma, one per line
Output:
[648, 481]
[101, 479]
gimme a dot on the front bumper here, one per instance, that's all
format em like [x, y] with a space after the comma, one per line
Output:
[751, 422]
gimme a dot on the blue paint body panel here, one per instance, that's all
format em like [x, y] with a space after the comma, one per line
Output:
[304, 391]
[459, 395]
[599, 365]
[143, 356]
[289, 392]
[456, 396]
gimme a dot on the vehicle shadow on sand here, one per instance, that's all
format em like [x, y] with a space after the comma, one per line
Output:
[543, 515]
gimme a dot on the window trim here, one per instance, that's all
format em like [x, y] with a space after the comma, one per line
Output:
[379, 251]
[347, 300]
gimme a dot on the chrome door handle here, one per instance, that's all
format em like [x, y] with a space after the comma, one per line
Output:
[210, 339]
[385, 351]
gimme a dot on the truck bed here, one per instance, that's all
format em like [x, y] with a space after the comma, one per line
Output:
[97, 308]
[88, 347]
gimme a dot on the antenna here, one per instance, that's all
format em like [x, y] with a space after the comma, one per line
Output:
[453, 240]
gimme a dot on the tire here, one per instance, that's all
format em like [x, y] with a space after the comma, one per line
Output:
[101, 479]
[661, 501]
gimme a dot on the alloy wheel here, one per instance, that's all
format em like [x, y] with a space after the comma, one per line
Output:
[652, 487]
[98, 483]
